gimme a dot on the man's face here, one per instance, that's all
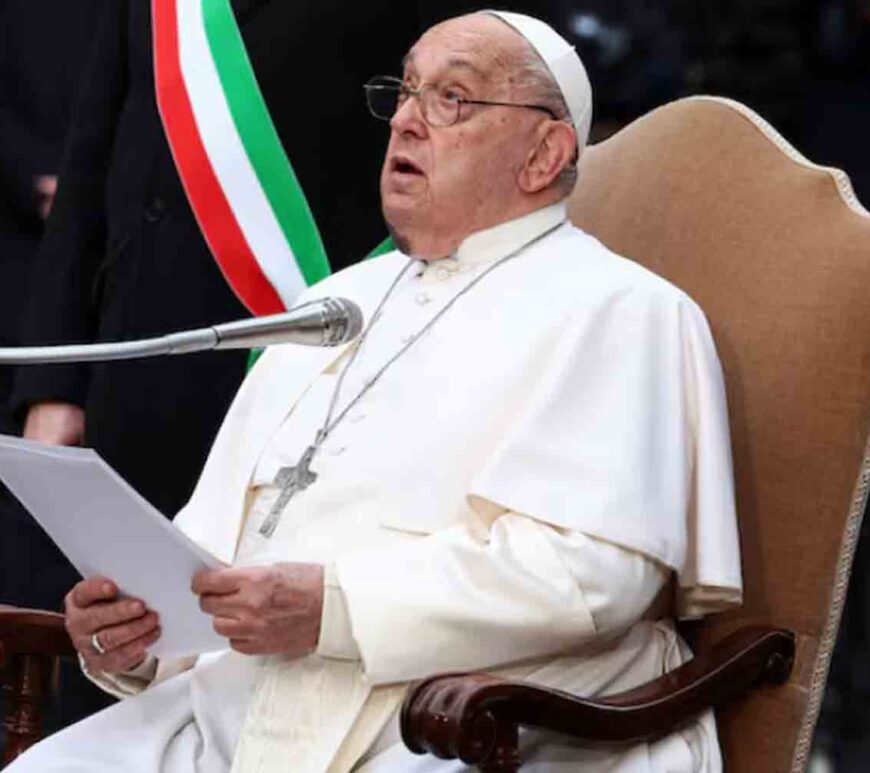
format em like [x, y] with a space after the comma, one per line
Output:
[438, 185]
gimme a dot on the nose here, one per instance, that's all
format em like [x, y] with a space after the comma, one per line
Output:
[408, 118]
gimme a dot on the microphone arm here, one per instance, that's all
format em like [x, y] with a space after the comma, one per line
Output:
[324, 322]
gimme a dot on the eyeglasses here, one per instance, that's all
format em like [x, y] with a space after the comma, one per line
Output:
[440, 105]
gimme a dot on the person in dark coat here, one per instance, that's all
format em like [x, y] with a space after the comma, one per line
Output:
[39, 69]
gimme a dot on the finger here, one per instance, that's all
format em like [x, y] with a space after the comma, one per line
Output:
[245, 646]
[232, 628]
[92, 590]
[216, 581]
[125, 657]
[134, 652]
[230, 605]
[83, 646]
[106, 615]
[117, 636]
[102, 614]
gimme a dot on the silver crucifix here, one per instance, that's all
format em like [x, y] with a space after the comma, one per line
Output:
[291, 480]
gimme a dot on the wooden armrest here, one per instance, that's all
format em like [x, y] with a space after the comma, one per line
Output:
[33, 632]
[30, 640]
[474, 717]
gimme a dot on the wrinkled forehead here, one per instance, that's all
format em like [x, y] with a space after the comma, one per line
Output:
[478, 47]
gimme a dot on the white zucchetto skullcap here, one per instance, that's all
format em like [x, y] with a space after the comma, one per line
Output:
[563, 63]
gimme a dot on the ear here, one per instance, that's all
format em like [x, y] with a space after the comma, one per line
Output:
[554, 148]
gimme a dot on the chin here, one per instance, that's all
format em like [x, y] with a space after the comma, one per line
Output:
[402, 242]
[415, 234]
[401, 225]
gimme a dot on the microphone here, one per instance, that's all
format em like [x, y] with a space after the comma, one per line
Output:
[323, 322]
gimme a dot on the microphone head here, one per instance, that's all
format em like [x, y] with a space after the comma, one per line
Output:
[345, 321]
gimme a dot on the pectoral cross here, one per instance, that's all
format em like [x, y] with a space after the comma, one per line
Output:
[291, 480]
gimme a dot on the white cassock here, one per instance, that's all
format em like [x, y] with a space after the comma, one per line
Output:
[510, 496]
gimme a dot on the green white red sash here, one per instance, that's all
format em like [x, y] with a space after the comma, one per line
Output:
[238, 179]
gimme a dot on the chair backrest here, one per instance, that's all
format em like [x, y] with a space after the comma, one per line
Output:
[776, 250]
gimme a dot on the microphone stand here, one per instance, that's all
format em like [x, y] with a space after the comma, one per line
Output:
[324, 322]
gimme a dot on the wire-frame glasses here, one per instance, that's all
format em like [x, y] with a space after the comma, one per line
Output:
[440, 105]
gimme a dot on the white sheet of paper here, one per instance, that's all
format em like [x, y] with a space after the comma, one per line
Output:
[104, 527]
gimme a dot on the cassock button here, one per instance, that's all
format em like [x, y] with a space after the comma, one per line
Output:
[155, 211]
[443, 273]
[422, 299]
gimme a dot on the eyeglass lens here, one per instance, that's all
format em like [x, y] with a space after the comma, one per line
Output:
[384, 98]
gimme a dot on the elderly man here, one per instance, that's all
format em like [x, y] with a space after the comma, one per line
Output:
[526, 443]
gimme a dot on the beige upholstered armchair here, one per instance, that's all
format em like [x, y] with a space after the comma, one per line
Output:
[777, 252]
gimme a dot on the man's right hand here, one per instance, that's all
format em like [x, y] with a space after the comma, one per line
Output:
[60, 424]
[124, 628]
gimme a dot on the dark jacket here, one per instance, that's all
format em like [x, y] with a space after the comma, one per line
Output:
[123, 258]
[42, 43]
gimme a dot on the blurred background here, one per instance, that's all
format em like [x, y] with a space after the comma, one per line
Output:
[804, 65]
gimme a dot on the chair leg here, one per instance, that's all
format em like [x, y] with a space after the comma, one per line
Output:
[505, 754]
[26, 689]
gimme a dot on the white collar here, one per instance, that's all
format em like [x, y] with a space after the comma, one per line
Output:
[495, 242]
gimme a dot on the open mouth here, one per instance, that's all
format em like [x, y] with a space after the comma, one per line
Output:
[404, 165]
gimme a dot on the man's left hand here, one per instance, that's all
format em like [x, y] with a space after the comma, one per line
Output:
[265, 610]
[45, 186]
